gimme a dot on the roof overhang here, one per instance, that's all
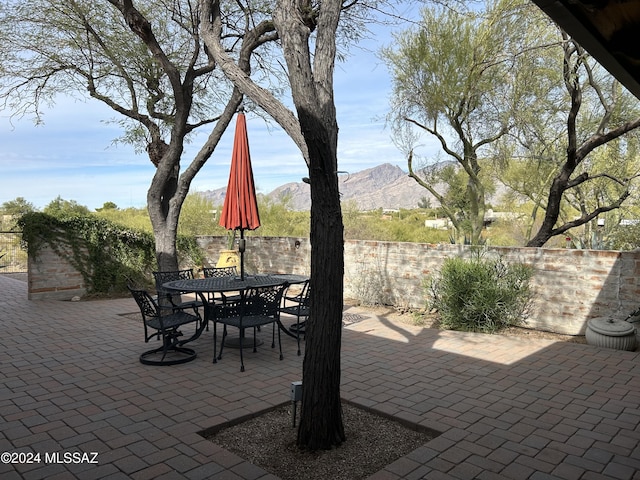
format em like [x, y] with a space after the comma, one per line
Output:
[608, 29]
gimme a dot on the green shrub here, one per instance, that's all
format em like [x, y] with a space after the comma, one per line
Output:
[480, 294]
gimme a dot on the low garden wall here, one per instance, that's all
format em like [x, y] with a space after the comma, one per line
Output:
[52, 277]
[569, 286]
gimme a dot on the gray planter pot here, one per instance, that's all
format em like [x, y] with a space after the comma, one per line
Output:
[611, 333]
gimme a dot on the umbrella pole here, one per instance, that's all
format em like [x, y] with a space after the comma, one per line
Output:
[241, 248]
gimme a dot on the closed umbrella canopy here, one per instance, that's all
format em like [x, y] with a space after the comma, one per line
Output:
[240, 208]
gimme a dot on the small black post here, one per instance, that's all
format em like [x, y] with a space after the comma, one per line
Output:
[296, 396]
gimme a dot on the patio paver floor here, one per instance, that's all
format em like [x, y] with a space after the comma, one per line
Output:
[507, 409]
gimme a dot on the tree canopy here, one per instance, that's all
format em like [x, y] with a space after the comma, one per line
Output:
[18, 206]
[457, 76]
[506, 92]
[61, 208]
[143, 59]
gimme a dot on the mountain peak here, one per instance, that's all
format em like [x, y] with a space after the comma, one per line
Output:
[384, 186]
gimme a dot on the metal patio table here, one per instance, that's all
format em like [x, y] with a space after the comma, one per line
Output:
[232, 283]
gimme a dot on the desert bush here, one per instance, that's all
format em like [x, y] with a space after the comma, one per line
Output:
[369, 286]
[480, 294]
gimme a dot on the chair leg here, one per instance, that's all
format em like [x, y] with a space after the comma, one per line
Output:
[215, 339]
[255, 340]
[204, 319]
[280, 344]
[298, 333]
[241, 356]
[224, 337]
[167, 340]
[273, 336]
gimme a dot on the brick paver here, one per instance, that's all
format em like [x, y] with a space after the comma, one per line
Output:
[506, 407]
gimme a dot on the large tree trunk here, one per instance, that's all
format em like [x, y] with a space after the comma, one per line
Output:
[321, 425]
[163, 207]
[315, 131]
[475, 193]
[166, 252]
[552, 213]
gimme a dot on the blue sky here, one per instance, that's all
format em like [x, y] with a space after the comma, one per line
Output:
[72, 154]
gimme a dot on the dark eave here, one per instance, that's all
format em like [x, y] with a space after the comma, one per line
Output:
[608, 29]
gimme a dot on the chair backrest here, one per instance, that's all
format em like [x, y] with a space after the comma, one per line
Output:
[148, 309]
[305, 295]
[263, 300]
[301, 299]
[219, 272]
[146, 304]
[170, 276]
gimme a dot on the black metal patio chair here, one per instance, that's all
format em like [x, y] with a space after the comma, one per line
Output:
[172, 297]
[297, 305]
[257, 307]
[164, 323]
[219, 272]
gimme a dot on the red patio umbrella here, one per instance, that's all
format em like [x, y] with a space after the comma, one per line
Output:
[240, 208]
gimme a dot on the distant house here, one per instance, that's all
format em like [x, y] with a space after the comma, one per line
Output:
[388, 213]
[491, 216]
[439, 223]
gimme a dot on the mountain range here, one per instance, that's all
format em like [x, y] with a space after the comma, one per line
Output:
[385, 186]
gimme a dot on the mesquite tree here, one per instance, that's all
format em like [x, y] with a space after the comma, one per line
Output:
[504, 91]
[597, 114]
[311, 79]
[307, 32]
[456, 78]
[145, 61]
